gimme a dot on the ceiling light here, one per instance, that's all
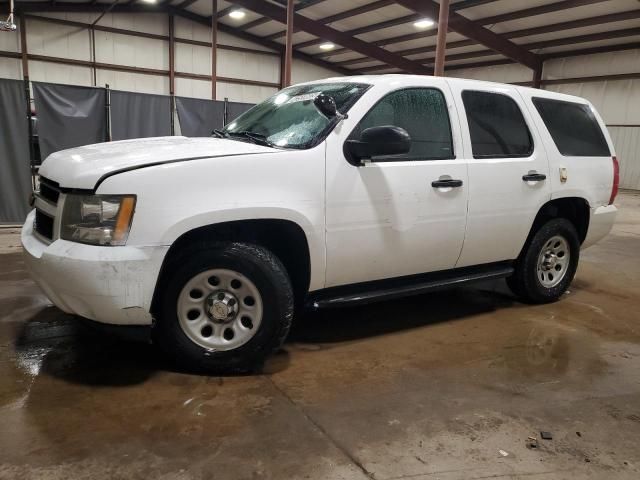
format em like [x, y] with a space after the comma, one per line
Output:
[150, 1]
[424, 23]
[237, 14]
[327, 46]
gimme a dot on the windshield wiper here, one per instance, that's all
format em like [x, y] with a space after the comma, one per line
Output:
[257, 138]
[219, 133]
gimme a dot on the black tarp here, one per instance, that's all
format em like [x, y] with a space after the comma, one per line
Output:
[235, 109]
[198, 117]
[138, 115]
[15, 168]
[68, 116]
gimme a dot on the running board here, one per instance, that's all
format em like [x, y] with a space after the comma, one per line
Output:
[380, 290]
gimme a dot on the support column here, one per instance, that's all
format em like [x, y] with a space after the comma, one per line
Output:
[214, 52]
[537, 76]
[283, 68]
[172, 70]
[288, 51]
[92, 39]
[23, 48]
[441, 47]
[27, 95]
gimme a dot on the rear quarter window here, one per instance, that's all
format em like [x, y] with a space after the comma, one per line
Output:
[573, 127]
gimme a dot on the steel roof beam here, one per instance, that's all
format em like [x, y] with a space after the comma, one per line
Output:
[330, 34]
[525, 32]
[475, 31]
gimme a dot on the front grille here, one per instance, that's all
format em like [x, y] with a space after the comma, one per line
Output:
[49, 190]
[44, 224]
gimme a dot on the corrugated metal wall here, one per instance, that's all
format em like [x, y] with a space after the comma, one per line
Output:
[63, 41]
[627, 142]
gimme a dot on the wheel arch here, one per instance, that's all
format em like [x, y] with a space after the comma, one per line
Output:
[574, 209]
[285, 238]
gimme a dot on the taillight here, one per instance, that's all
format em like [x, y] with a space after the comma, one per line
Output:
[616, 180]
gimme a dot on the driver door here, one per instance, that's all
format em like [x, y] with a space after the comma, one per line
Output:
[389, 217]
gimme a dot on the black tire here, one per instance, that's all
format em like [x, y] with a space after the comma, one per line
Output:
[267, 273]
[524, 283]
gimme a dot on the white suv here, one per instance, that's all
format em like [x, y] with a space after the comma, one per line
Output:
[330, 193]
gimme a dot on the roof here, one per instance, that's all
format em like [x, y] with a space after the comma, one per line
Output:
[406, 80]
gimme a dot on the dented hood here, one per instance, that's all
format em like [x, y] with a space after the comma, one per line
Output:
[83, 167]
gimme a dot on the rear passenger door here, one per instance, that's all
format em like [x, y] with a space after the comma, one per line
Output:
[508, 171]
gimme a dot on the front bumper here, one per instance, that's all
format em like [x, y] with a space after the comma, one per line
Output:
[601, 222]
[112, 285]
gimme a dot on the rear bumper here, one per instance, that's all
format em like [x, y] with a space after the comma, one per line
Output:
[600, 224]
[111, 285]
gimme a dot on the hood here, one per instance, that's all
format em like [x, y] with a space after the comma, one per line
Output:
[83, 167]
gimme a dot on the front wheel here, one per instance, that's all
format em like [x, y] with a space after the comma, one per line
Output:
[225, 308]
[548, 263]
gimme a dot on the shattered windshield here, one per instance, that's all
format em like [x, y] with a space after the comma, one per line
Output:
[289, 119]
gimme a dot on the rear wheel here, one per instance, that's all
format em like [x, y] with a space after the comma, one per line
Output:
[225, 308]
[548, 263]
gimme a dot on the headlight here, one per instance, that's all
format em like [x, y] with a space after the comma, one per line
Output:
[97, 219]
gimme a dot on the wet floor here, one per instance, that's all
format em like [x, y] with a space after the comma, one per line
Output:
[446, 386]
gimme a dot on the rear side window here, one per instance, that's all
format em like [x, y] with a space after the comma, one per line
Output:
[573, 127]
[422, 112]
[496, 125]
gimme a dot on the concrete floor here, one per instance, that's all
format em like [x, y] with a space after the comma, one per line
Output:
[430, 387]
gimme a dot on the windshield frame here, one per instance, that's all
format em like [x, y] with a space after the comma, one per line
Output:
[324, 133]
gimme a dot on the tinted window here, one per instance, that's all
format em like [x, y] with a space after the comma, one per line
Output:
[573, 127]
[496, 125]
[422, 112]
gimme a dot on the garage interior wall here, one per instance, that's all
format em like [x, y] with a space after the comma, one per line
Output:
[71, 42]
[618, 101]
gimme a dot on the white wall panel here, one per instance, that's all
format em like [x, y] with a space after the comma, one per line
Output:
[149, 22]
[57, 40]
[57, 73]
[193, 59]
[132, 51]
[10, 41]
[187, 87]
[254, 66]
[243, 93]
[10, 68]
[627, 145]
[193, 31]
[600, 64]
[498, 73]
[226, 39]
[302, 71]
[133, 82]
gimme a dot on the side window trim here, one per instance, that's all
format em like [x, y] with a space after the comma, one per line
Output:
[392, 159]
[524, 118]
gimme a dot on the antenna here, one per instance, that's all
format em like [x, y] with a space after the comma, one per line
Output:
[8, 25]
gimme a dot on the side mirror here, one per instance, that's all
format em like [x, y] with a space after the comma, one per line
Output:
[378, 141]
[326, 105]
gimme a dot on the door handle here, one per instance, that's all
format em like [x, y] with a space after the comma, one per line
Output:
[534, 177]
[446, 183]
